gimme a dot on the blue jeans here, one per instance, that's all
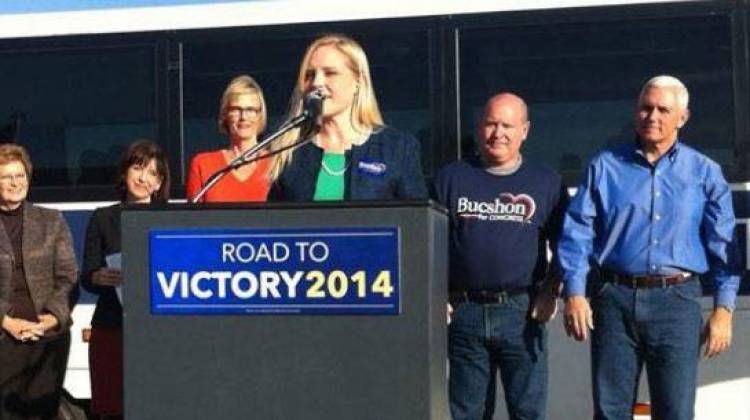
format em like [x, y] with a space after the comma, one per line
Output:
[658, 326]
[485, 337]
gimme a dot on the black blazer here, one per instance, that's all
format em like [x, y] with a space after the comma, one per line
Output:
[386, 167]
[102, 239]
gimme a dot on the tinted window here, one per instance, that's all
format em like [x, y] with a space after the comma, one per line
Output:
[582, 80]
[75, 109]
[398, 61]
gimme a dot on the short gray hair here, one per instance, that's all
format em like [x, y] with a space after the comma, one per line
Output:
[668, 82]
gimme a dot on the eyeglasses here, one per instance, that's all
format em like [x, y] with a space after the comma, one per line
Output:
[237, 111]
[13, 177]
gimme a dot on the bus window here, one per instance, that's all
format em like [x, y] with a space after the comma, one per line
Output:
[399, 63]
[582, 81]
[76, 108]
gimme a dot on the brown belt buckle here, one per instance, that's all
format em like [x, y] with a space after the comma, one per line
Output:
[493, 297]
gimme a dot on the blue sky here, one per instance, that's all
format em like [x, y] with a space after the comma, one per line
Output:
[31, 6]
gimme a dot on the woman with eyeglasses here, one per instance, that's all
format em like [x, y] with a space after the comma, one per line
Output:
[143, 178]
[242, 117]
[355, 156]
[37, 273]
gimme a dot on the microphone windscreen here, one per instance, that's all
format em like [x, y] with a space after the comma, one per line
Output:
[313, 106]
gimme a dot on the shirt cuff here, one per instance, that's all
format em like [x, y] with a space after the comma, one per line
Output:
[726, 298]
[726, 290]
[574, 288]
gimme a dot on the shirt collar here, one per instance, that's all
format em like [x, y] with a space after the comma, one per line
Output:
[671, 153]
[494, 170]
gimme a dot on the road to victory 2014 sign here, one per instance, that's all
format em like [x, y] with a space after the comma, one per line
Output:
[274, 271]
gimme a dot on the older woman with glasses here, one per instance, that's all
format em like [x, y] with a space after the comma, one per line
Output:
[242, 116]
[355, 156]
[37, 272]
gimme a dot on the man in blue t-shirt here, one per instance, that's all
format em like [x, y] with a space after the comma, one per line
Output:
[503, 211]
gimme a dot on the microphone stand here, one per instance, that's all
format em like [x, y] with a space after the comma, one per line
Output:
[247, 156]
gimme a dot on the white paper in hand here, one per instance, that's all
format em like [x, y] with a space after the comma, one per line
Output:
[115, 261]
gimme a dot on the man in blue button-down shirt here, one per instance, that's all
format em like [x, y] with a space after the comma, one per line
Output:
[647, 218]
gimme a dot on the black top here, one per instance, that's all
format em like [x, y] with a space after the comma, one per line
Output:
[102, 239]
[23, 307]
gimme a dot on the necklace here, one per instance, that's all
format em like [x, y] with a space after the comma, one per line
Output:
[332, 172]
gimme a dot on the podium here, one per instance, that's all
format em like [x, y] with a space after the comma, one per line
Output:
[285, 311]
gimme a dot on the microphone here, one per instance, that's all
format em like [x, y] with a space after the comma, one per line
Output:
[312, 112]
[312, 107]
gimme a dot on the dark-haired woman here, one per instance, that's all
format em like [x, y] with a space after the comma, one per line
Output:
[143, 178]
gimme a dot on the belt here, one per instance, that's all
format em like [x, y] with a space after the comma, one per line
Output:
[648, 281]
[484, 296]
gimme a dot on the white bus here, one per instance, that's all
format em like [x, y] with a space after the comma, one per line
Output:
[81, 79]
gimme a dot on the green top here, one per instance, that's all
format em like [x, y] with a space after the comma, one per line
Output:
[330, 183]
